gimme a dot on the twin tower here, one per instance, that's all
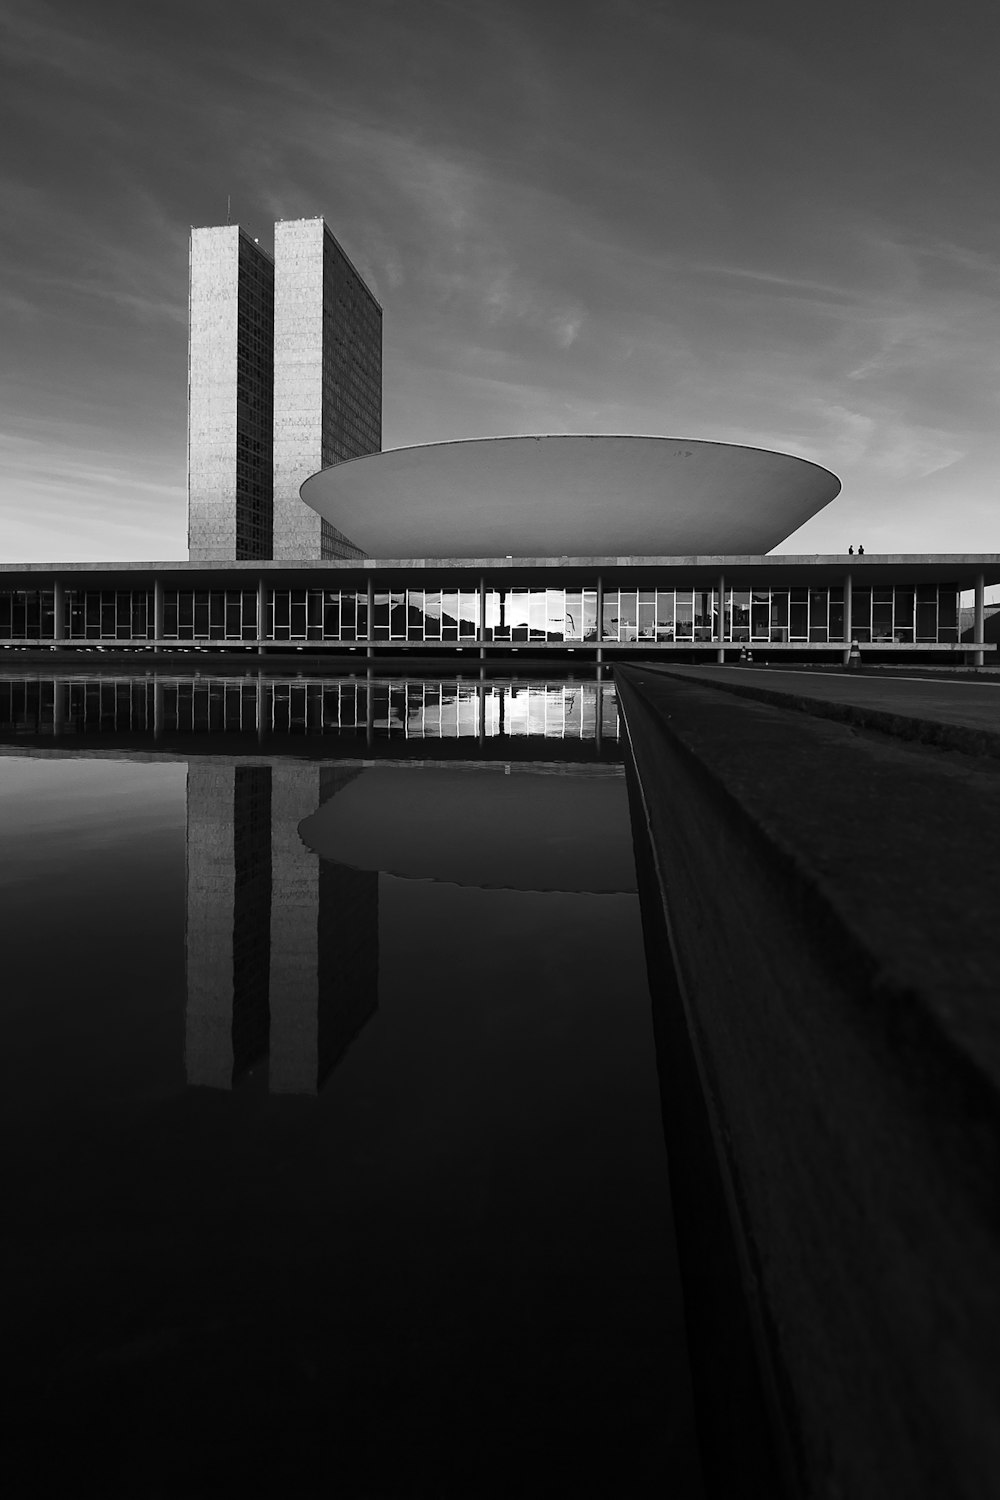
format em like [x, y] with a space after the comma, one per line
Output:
[284, 379]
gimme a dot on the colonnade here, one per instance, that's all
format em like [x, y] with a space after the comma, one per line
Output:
[976, 655]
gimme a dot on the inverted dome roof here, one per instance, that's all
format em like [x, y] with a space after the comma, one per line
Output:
[570, 496]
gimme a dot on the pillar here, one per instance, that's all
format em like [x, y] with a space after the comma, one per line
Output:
[58, 611]
[369, 626]
[600, 616]
[847, 618]
[482, 617]
[157, 610]
[261, 615]
[980, 627]
[720, 654]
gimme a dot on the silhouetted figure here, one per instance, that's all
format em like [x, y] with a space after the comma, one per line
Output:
[850, 551]
[861, 551]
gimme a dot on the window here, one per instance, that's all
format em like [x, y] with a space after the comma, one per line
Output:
[739, 616]
[927, 612]
[819, 614]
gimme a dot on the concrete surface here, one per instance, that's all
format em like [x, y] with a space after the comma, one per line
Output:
[831, 901]
[694, 570]
[959, 713]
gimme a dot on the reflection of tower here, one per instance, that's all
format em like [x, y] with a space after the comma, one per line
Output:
[251, 912]
[228, 920]
[282, 950]
[294, 963]
[324, 938]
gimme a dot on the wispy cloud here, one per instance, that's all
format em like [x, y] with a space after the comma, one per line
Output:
[663, 219]
[70, 499]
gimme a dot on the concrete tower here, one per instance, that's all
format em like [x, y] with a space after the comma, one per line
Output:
[230, 396]
[327, 379]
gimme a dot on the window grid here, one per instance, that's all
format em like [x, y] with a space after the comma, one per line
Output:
[926, 613]
[904, 613]
[109, 615]
[27, 614]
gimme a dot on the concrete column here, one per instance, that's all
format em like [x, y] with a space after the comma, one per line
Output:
[980, 627]
[261, 614]
[847, 618]
[600, 616]
[482, 618]
[598, 711]
[59, 611]
[369, 627]
[157, 609]
[720, 635]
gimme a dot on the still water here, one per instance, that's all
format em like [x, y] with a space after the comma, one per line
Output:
[334, 1160]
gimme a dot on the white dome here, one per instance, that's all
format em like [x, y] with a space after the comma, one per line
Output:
[570, 496]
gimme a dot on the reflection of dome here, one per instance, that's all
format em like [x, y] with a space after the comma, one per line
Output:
[525, 831]
[570, 496]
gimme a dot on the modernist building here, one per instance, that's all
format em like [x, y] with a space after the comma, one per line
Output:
[596, 546]
[304, 536]
[284, 378]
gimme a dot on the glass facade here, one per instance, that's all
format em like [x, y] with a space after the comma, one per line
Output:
[254, 401]
[209, 615]
[26, 614]
[103, 615]
[904, 614]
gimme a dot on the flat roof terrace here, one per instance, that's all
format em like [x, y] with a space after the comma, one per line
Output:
[740, 570]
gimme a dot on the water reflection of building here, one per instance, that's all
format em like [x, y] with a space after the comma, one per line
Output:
[154, 708]
[282, 950]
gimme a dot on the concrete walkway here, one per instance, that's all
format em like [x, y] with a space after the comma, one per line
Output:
[912, 707]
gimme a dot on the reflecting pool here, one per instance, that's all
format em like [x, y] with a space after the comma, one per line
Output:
[334, 1156]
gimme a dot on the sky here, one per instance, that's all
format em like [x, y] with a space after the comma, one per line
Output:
[767, 223]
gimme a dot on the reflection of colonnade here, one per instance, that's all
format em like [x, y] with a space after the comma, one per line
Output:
[282, 949]
[156, 707]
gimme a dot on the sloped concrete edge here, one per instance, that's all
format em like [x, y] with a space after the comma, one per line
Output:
[856, 1131]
